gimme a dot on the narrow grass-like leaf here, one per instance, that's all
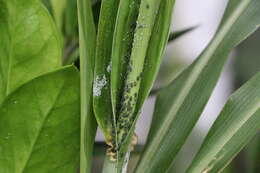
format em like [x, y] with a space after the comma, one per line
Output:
[101, 89]
[121, 51]
[252, 155]
[150, 39]
[39, 125]
[122, 46]
[144, 28]
[179, 105]
[156, 49]
[87, 35]
[175, 35]
[238, 122]
[70, 24]
[30, 44]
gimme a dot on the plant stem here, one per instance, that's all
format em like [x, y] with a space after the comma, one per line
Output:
[109, 166]
[87, 35]
[112, 167]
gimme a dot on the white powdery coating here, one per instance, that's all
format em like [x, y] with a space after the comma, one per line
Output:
[99, 83]
[109, 67]
[127, 157]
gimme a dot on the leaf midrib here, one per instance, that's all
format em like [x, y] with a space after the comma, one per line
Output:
[10, 57]
[43, 122]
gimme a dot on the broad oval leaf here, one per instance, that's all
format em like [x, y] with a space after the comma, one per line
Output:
[179, 105]
[238, 122]
[177, 34]
[39, 125]
[30, 44]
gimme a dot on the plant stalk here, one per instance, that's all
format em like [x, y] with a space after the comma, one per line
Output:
[87, 35]
[109, 166]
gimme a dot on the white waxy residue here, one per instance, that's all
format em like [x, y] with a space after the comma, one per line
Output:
[127, 157]
[109, 67]
[99, 83]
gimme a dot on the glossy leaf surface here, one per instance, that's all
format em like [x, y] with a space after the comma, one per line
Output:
[177, 34]
[30, 44]
[39, 125]
[122, 45]
[101, 89]
[152, 47]
[58, 8]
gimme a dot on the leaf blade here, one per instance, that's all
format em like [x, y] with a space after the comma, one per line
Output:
[101, 89]
[238, 122]
[87, 39]
[125, 27]
[177, 34]
[121, 50]
[180, 102]
[30, 43]
[40, 125]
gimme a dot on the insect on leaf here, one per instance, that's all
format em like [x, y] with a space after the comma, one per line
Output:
[150, 40]
[179, 105]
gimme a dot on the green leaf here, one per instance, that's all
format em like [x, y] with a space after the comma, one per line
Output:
[121, 51]
[252, 155]
[87, 35]
[175, 35]
[58, 8]
[151, 32]
[101, 90]
[143, 32]
[39, 125]
[155, 50]
[238, 122]
[30, 44]
[150, 38]
[179, 105]
[70, 24]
